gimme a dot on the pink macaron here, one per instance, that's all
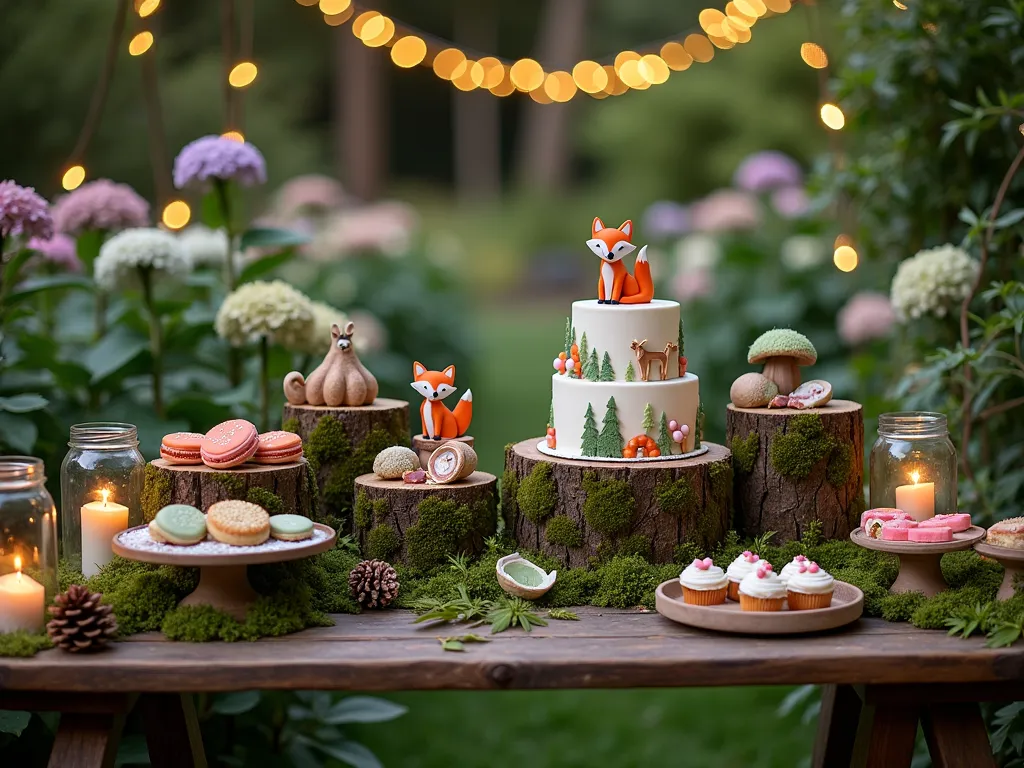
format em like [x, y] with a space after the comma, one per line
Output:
[930, 535]
[278, 448]
[182, 448]
[229, 444]
[883, 514]
[956, 522]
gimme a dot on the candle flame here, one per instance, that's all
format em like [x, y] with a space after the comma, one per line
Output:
[915, 476]
[17, 565]
[106, 495]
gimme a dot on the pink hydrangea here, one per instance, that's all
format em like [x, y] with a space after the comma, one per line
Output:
[791, 202]
[100, 205]
[312, 193]
[23, 212]
[726, 210]
[59, 250]
[768, 170]
[866, 316]
[215, 157]
[693, 284]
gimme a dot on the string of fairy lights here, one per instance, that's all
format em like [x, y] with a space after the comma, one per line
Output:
[628, 70]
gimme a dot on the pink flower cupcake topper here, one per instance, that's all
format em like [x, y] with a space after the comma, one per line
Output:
[702, 565]
[750, 557]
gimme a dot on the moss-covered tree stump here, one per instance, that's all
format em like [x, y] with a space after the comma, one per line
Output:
[340, 444]
[794, 467]
[421, 525]
[577, 510]
[280, 489]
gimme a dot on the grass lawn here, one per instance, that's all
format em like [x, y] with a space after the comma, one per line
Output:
[719, 727]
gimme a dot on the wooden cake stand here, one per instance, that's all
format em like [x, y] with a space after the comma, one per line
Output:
[1011, 559]
[919, 561]
[223, 579]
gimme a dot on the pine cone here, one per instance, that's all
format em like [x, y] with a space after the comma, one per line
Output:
[80, 622]
[373, 583]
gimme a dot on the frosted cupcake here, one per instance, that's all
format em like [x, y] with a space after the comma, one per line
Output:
[792, 567]
[810, 587]
[738, 569]
[704, 583]
[762, 590]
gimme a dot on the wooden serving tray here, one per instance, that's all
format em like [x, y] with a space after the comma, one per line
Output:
[847, 606]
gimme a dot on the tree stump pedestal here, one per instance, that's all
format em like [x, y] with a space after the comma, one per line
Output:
[793, 467]
[422, 524]
[577, 509]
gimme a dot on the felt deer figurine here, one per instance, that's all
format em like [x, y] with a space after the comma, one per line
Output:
[339, 380]
[645, 357]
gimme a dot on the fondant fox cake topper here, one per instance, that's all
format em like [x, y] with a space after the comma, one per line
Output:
[438, 422]
[616, 285]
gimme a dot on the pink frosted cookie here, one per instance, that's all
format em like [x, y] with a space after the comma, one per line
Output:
[930, 535]
[956, 522]
[892, 533]
[882, 513]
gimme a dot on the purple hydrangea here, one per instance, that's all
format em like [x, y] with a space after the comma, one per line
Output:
[100, 205]
[215, 157]
[768, 170]
[23, 212]
[58, 250]
[791, 202]
[665, 219]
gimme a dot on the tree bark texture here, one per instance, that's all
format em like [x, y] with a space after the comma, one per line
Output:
[793, 467]
[673, 502]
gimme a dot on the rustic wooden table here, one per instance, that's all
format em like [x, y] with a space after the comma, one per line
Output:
[880, 679]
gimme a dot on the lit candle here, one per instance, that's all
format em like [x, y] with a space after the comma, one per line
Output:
[917, 500]
[21, 601]
[101, 521]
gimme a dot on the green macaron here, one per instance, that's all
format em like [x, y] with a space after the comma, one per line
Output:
[290, 527]
[181, 524]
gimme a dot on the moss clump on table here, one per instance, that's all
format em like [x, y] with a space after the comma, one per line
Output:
[156, 493]
[562, 531]
[382, 542]
[537, 495]
[796, 453]
[610, 505]
[444, 527]
[745, 451]
[23, 643]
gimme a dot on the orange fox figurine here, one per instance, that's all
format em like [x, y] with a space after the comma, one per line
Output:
[616, 285]
[438, 422]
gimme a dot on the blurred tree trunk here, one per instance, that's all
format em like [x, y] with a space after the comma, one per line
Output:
[477, 116]
[359, 122]
[544, 155]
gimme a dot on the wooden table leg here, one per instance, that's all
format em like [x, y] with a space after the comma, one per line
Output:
[956, 736]
[172, 730]
[86, 740]
[837, 726]
[886, 735]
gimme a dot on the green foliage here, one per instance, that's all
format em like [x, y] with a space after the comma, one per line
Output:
[606, 374]
[796, 452]
[745, 451]
[574, 586]
[445, 528]
[591, 437]
[625, 582]
[232, 483]
[562, 531]
[636, 544]
[382, 542]
[268, 500]
[561, 614]
[610, 505]
[510, 611]
[630, 372]
[537, 495]
[812, 534]
[610, 441]
[23, 643]
[156, 493]
[675, 497]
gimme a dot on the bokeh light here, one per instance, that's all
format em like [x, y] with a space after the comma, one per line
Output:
[755, 8]
[376, 31]
[494, 72]
[623, 56]
[845, 258]
[676, 56]
[629, 73]
[506, 87]
[778, 6]
[146, 7]
[73, 177]
[408, 51]
[814, 55]
[446, 61]
[699, 48]
[589, 76]
[653, 69]
[337, 19]
[141, 43]
[242, 74]
[527, 75]
[615, 86]
[560, 86]
[234, 136]
[176, 214]
[832, 116]
[334, 7]
[362, 20]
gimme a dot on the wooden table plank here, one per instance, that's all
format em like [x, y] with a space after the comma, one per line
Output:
[608, 649]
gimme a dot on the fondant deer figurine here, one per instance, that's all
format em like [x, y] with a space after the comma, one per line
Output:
[645, 357]
[339, 380]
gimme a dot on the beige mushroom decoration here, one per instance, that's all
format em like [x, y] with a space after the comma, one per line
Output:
[752, 390]
[783, 352]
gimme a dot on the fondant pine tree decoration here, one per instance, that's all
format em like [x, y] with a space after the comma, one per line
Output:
[607, 374]
[610, 442]
[551, 414]
[648, 422]
[591, 368]
[584, 351]
[590, 434]
[698, 430]
[630, 372]
[682, 340]
[664, 438]
[568, 335]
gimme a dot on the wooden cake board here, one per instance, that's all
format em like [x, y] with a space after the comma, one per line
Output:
[920, 569]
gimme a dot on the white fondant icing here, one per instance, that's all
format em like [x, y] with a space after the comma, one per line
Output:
[428, 419]
[608, 276]
[677, 398]
[611, 327]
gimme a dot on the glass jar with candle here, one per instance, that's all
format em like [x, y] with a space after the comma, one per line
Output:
[913, 465]
[101, 491]
[28, 549]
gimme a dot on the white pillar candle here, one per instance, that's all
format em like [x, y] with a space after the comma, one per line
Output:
[917, 500]
[101, 521]
[21, 601]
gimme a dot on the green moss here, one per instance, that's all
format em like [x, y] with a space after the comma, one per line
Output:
[687, 552]
[675, 497]
[796, 453]
[610, 505]
[636, 544]
[900, 606]
[233, 484]
[562, 531]
[575, 586]
[856, 508]
[67, 575]
[382, 542]
[442, 528]
[745, 451]
[537, 495]
[268, 616]
[156, 493]
[312, 487]
[380, 510]
[363, 511]
[23, 643]
[624, 582]
[266, 499]
[327, 578]
[840, 463]
[509, 491]
[290, 425]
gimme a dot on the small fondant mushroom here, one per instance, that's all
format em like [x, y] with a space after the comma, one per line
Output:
[752, 390]
[783, 352]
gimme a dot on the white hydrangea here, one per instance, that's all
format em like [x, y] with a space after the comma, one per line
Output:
[803, 252]
[932, 281]
[271, 309]
[122, 256]
[206, 247]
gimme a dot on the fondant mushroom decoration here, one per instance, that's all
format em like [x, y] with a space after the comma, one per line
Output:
[783, 352]
[752, 390]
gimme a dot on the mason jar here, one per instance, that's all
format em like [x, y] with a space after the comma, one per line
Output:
[914, 465]
[101, 483]
[28, 550]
